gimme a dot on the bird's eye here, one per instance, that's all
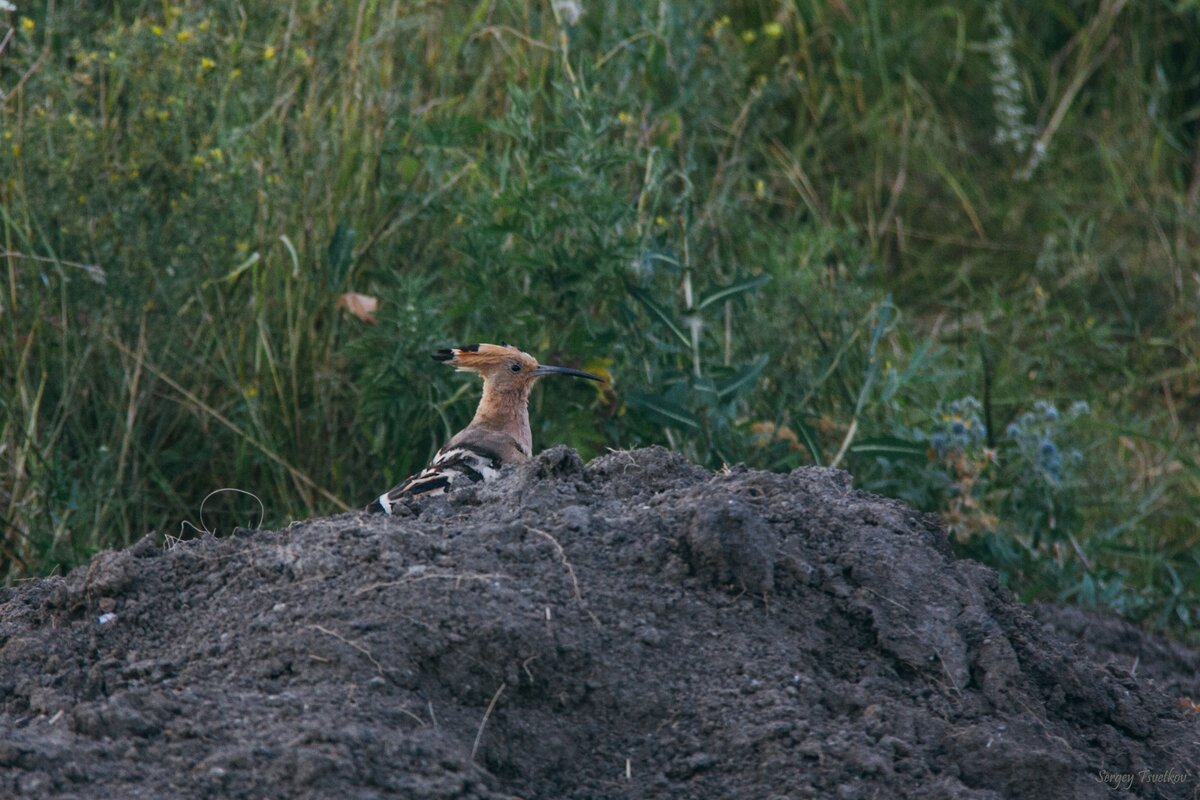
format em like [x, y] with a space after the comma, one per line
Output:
[515, 367]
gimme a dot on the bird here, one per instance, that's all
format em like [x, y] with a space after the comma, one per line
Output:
[499, 433]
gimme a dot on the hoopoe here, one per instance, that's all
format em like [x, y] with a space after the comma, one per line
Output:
[498, 435]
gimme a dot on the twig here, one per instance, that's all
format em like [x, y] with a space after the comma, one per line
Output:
[474, 576]
[262, 509]
[94, 271]
[496, 30]
[1079, 552]
[432, 715]
[959, 241]
[798, 178]
[888, 599]
[357, 647]
[1107, 14]
[132, 411]
[1060, 111]
[621, 45]
[483, 722]
[420, 721]
[4, 98]
[897, 188]
[845, 443]
[562, 555]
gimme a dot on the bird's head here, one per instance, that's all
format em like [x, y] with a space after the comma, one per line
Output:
[504, 367]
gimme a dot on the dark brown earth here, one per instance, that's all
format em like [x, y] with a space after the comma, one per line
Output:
[635, 628]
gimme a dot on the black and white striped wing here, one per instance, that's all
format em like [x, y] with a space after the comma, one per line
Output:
[451, 467]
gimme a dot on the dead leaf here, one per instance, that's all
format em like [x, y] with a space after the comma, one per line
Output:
[362, 306]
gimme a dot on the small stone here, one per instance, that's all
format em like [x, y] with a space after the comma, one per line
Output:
[649, 635]
[576, 518]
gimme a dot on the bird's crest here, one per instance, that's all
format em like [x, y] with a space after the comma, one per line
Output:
[478, 357]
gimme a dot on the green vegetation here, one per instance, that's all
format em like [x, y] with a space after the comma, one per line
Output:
[950, 248]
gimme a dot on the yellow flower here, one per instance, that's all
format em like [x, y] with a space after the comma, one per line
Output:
[760, 188]
[269, 53]
[184, 36]
[204, 25]
[236, 73]
[16, 151]
[198, 160]
[7, 135]
[749, 37]
[156, 30]
[773, 30]
[82, 199]
[27, 24]
[625, 118]
[601, 367]
[216, 154]
[207, 63]
[251, 392]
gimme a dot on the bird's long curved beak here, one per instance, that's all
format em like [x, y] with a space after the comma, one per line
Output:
[548, 369]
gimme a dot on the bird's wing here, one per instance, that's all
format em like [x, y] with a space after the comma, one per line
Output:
[455, 464]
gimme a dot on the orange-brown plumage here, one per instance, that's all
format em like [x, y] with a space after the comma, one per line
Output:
[499, 433]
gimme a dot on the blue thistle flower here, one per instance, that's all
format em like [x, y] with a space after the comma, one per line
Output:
[938, 441]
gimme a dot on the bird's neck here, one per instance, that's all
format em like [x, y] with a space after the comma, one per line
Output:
[505, 411]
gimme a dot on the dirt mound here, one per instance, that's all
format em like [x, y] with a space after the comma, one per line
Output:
[638, 627]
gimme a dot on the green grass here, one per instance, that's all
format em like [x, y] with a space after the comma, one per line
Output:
[793, 233]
